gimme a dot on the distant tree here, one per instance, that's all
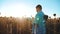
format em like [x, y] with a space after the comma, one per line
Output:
[54, 15]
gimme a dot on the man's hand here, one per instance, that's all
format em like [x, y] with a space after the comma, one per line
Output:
[35, 25]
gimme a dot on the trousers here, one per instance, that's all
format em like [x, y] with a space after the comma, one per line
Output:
[39, 30]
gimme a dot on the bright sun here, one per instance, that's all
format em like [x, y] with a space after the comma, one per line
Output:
[17, 10]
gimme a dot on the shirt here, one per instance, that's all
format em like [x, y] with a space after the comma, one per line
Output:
[39, 18]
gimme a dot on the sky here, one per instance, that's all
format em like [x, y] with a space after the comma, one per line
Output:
[19, 8]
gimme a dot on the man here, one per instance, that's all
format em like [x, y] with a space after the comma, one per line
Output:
[39, 22]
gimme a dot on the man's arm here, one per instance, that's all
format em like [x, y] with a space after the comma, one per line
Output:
[36, 21]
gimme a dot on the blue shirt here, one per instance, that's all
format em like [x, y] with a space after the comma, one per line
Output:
[39, 18]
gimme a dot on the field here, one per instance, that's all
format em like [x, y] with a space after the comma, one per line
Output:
[11, 25]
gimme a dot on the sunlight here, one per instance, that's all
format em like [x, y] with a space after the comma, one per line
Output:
[16, 10]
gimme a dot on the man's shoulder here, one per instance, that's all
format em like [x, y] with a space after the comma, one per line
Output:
[41, 13]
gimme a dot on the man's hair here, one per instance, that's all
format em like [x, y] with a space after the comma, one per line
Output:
[39, 6]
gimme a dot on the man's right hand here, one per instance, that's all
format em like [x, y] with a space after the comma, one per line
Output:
[35, 25]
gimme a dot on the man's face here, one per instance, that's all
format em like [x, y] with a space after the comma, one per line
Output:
[38, 9]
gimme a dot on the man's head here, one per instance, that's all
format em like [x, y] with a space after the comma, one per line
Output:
[38, 8]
